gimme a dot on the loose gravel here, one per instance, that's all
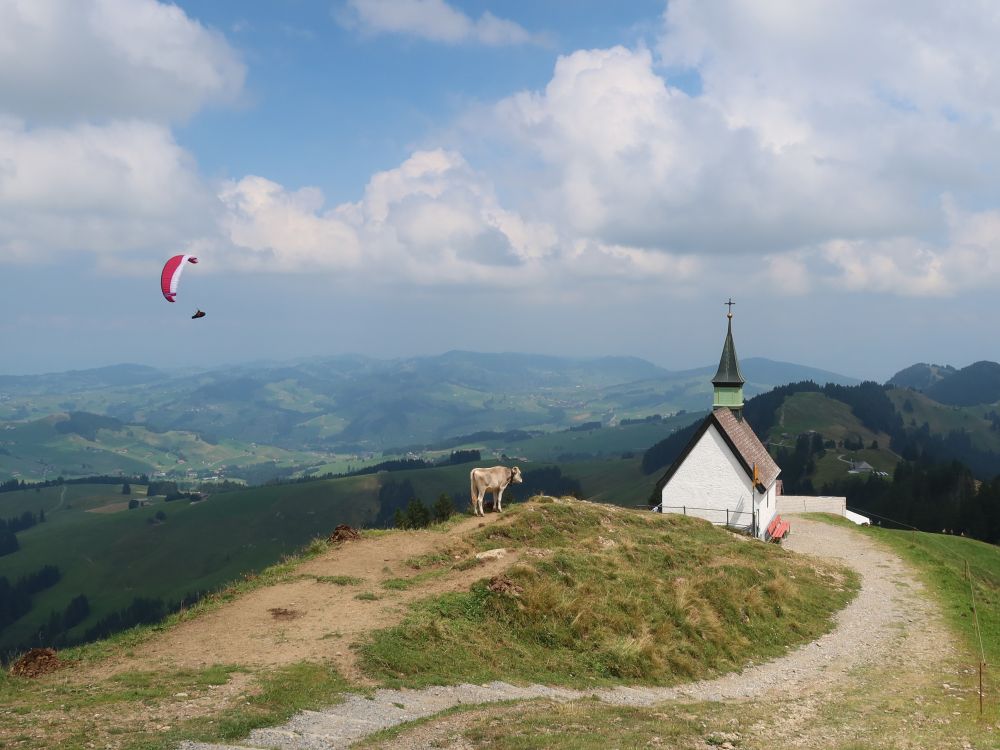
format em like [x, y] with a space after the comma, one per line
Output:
[889, 619]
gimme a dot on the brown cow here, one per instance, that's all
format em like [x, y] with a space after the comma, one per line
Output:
[495, 480]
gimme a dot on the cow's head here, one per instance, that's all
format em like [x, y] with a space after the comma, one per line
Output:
[515, 475]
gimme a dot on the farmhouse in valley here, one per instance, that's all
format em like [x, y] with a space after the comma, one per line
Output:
[725, 474]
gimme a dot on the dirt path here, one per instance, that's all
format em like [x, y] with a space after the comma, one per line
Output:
[333, 600]
[890, 623]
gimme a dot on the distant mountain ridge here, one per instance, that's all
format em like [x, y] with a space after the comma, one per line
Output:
[357, 404]
[920, 376]
[978, 383]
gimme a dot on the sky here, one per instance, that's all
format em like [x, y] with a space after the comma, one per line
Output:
[574, 177]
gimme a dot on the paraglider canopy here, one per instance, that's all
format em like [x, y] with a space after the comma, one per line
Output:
[171, 275]
[198, 314]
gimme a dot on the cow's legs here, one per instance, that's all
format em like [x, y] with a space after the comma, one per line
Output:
[479, 502]
[498, 498]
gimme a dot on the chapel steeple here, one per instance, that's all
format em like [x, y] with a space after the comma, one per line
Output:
[728, 381]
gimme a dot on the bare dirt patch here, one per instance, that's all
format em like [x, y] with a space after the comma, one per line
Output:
[329, 619]
[109, 508]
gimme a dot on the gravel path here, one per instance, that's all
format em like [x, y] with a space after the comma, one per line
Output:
[889, 620]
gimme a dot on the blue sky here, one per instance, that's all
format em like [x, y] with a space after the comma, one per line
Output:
[403, 177]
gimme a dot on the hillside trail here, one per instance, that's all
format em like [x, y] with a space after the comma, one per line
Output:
[890, 628]
[331, 601]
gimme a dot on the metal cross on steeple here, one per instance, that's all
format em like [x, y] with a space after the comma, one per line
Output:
[730, 304]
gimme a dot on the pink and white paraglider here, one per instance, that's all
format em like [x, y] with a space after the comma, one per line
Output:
[171, 275]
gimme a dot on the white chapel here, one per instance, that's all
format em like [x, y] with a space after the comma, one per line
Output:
[724, 474]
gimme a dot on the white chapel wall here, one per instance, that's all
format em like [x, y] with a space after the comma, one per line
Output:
[709, 481]
[768, 507]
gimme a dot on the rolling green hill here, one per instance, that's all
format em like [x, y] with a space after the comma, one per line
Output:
[979, 383]
[920, 376]
[917, 409]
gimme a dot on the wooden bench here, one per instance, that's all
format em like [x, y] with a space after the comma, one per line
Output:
[778, 529]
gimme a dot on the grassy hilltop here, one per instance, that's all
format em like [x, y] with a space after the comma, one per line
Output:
[591, 594]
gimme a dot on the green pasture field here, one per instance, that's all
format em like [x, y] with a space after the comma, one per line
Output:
[63, 503]
[943, 419]
[803, 412]
[618, 481]
[36, 451]
[599, 443]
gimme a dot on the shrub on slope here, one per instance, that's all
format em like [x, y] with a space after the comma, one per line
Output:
[602, 594]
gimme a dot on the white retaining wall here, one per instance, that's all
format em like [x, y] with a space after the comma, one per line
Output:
[812, 504]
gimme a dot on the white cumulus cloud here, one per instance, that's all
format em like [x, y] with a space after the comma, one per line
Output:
[433, 20]
[88, 162]
[432, 220]
[109, 190]
[631, 160]
[67, 60]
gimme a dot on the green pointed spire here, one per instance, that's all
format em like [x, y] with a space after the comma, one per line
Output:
[728, 380]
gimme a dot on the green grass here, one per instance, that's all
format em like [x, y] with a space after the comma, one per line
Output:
[120, 707]
[623, 596]
[875, 715]
[589, 725]
[402, 584]
[282, 693]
